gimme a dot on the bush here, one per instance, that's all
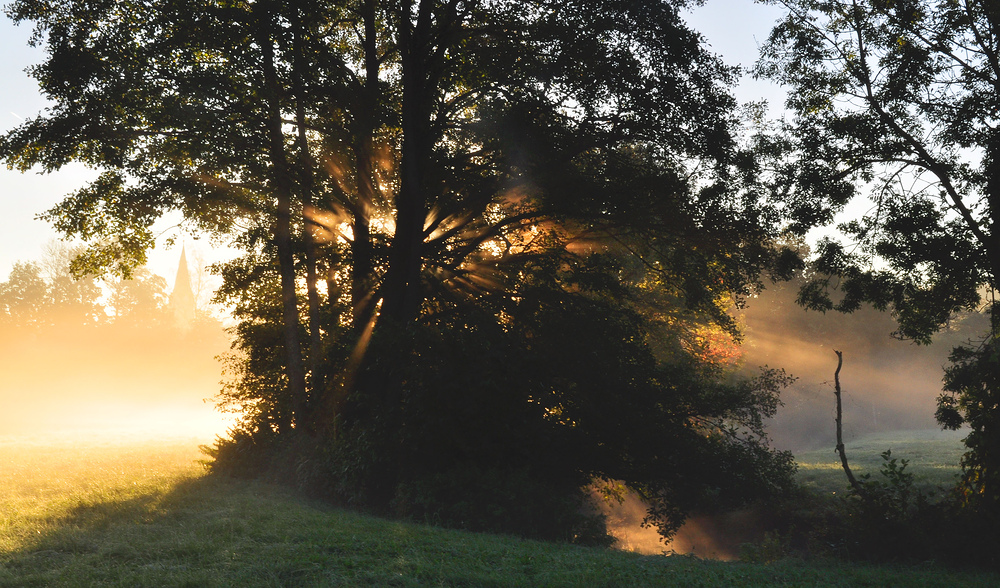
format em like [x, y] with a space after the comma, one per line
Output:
[504, 501]
[894, 522]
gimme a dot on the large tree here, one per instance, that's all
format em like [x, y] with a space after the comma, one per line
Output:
[897, 102]
[458, 171]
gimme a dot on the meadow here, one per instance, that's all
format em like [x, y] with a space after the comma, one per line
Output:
[132, 512]
[932, 457]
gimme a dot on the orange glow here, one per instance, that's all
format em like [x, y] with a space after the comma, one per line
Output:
[150, 382]
[710, 537]
[715, 346]
[328, 226]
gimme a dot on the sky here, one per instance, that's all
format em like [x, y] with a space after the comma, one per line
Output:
[734, 29]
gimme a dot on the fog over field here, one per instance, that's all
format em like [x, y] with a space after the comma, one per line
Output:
[149, 376]
[151, 381]
[89, 357]
[888, 384]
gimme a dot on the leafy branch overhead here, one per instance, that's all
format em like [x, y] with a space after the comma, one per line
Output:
[482, 240]
[897, 102]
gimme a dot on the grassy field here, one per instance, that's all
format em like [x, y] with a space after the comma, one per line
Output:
[130, 513]
[933, 457]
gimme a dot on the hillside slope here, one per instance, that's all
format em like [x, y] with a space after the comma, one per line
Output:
[131, 513]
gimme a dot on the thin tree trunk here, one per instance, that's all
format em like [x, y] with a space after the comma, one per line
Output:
[993, 199]
[363, 300]
[362, 279]
[840, 434]
[282, 185]
[306, 186]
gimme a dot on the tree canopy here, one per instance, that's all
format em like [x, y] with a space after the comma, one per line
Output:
[898, 101]
[482, 238]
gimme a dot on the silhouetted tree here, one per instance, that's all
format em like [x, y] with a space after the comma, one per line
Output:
[898, 101]
[521, 211]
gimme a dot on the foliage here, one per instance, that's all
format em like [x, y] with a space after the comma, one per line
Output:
[30, 299]
[33, 297]
[890, 498]
[505, 411]
[971, 384]
[483, 240]
[904, 515]
[898, 101]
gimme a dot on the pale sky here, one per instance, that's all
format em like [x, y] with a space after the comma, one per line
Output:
[734, 29]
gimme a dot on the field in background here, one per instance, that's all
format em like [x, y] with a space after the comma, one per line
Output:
[143, 513]
[933, 457]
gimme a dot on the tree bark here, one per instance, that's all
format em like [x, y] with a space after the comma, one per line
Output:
[362, 270]
[403, 293]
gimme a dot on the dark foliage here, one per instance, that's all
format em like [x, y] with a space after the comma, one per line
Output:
[972, 386]
[896, 522]
[897, 102]
[499, 421]
[522, 213]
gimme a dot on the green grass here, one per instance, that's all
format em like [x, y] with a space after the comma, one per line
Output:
[145, 514]
[933, 459]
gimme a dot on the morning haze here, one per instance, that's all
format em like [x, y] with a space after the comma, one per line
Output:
[523, 269]
[102, 358]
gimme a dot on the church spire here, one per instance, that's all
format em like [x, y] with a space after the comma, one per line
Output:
[182, 298]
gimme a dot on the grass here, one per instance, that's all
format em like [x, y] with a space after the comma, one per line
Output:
[145, 514]
[933, 459]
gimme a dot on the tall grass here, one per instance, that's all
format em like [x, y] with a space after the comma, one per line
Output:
[146, 514]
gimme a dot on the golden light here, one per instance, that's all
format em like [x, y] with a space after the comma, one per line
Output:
[329, 225]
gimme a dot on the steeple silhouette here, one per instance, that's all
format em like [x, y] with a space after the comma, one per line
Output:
[182, 298]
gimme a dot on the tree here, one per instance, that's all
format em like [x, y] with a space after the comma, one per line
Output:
[180, 109]
[43, 294]
[141, 299]
[460, 171]
[23, 295]
[897, 100]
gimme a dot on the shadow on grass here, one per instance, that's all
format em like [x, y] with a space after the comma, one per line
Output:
[150, 535]
[215, 531]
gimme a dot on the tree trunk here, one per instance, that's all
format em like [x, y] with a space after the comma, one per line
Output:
[306, 186]
[403, 293]
[282, 185]
[840, 435]
[362, 270]
[992, 164]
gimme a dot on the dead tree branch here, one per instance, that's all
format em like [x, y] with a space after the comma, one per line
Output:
[840, 430]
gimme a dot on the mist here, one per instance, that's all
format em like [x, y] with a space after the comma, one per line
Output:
[122, 357]
[69, 380]
[888, 384]
[717, 536]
